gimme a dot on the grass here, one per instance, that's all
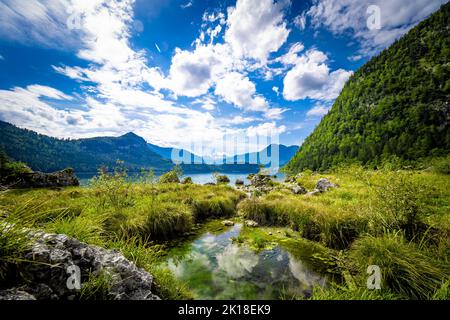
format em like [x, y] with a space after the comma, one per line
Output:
[117, 214]
[399, 220]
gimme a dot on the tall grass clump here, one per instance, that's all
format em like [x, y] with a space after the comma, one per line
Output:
[112, 189]
[400, 204]
[405, 269]
[158, 220]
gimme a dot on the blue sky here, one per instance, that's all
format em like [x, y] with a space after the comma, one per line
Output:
[179, 72]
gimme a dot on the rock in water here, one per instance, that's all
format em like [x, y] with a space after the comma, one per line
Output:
[228, 223]
[52, 256]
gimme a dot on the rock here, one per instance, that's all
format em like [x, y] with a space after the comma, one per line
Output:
[313, 193]
[251, 223]
[270, 233]
[52, 255]
[324, 184]
[64, 178]
[15, 294]
[295, 188]
[228, 223]
[260, 180]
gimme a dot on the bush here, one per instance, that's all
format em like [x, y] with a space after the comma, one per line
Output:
[170, 177]
[239, 182]
[187, 180]
[112, 189]
[399, 204]
[441, 165]
[221, 178]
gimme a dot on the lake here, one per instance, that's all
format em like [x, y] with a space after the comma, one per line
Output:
[198, 178]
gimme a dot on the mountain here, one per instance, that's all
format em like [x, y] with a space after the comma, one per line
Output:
[285, 154]
[231, 165]
[49, 154]
[396, 106]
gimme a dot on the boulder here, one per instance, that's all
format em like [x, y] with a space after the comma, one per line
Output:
[324, 184]
[64, 178]
[15, 294]
[296, 189]
[228, 223]
[251, 223]
[260, 180]
[53, 256]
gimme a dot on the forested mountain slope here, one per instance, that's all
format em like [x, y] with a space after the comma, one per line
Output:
[396, 106]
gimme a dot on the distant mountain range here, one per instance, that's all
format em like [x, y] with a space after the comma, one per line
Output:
[47, 154]
[258, 158]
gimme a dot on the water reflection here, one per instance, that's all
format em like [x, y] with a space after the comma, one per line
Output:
[216, 268]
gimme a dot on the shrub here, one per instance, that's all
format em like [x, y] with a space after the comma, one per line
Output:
[187, 180]
[222, 179]
[239, 182]
[399, 204]
[441, 165]
[170, 177]
[112, 189]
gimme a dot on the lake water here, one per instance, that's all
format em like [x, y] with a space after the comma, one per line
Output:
[198, 178]
[214, 267]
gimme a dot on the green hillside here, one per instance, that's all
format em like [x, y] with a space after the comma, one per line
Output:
[396, 106]
[47, 154]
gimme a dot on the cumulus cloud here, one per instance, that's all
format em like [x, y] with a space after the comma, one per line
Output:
[311, 78]
[256, 28]
[239, 90]
[397, 17]
[114, 101]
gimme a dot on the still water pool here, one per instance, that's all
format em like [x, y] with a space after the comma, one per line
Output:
[214, 267]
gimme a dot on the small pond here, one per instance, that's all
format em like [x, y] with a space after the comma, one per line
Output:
[215, 267]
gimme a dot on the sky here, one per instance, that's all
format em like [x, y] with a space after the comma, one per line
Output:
[181, 73]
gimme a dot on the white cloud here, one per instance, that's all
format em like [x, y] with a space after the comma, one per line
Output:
[187, 5]
[207, 103]
[300, 21]
[276, 90]
[41, 22]
[319, 110]
[397, 17]
[114, 99]
[275, 113]
[311, 78]
[241, 120]
[239, 90]
[256, 28]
